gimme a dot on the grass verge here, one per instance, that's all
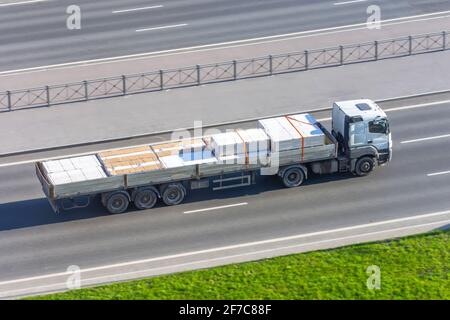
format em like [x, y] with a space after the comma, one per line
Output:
[416, 267]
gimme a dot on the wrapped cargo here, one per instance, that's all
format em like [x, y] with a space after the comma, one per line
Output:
[292, 132]
[74, 169]
[226, 144]
[252, 158]
[306, 124]
[256, 140]
[239, 142]
[280, 138]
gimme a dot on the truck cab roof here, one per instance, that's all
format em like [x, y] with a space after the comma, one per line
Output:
[365, 108]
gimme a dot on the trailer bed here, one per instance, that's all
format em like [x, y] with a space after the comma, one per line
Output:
[126, 168]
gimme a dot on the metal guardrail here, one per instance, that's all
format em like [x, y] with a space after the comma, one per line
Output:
[223, 71]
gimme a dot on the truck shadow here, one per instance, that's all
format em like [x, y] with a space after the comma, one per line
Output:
[37, 212]
[264, 184]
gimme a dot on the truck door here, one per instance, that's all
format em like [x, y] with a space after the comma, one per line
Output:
[357, 134]
[378, 134]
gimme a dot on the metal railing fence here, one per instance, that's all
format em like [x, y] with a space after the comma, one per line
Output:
[223, 71]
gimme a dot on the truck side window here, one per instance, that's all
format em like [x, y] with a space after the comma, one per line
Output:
[377, 127]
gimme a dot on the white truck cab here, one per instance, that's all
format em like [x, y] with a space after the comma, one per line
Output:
[362, 130]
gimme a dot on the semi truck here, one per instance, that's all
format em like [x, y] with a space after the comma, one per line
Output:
[289, 147]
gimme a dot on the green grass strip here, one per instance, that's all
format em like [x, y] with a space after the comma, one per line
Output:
[415, 267]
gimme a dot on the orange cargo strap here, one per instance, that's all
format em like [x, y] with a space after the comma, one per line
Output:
[300, 121]
[245, 147]
[298, 131]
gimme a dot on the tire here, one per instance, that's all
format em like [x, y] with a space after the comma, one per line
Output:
[145, 199]
[173, 194]
[117, 202]
[293, 177]
[364, 166]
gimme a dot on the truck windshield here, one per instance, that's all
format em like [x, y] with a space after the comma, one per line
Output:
[379, 126]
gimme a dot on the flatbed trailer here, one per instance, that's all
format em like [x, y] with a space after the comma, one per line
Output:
[171, 184]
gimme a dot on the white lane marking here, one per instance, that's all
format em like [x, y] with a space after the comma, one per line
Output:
[140, 145]
[415, 106]
[229, 44]
[21, 2]
[217, 208]
[86, 280]
[427, 138]
[237, 246]
[348, 2]
[438, 173]
[138, 9]
[163, 27]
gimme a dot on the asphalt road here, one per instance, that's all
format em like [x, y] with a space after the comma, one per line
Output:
[35, 34]
[34, 241]
[144, 113]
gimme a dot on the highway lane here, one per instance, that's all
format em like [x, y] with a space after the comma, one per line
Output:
[34, 241]
[35, 34]
[104, 68]
[132, 115]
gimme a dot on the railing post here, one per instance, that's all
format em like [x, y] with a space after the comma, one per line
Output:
[124, 84]
[306, 59]
[376, 49]
[270, 64]
[234, 69]
[410, 45]
[198, 75]
[47, 92]
[86, 93]
[444, 40]
[161, 79]
[341, 53]
[8, 94]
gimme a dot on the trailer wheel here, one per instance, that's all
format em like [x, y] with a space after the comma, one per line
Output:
[117, 202]
[364, 166]
[173, 194]
[293, 177]
[145, 199]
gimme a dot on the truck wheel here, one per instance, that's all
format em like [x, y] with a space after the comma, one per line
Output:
[293, 177]
[145, 199]
[174, 194]
[364, 166]
[117, 202]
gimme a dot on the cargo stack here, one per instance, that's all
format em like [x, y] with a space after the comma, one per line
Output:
[240, 146]
[76, 169]
[172, 154]
[183, 153]
[294, 134]
[129, 160]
